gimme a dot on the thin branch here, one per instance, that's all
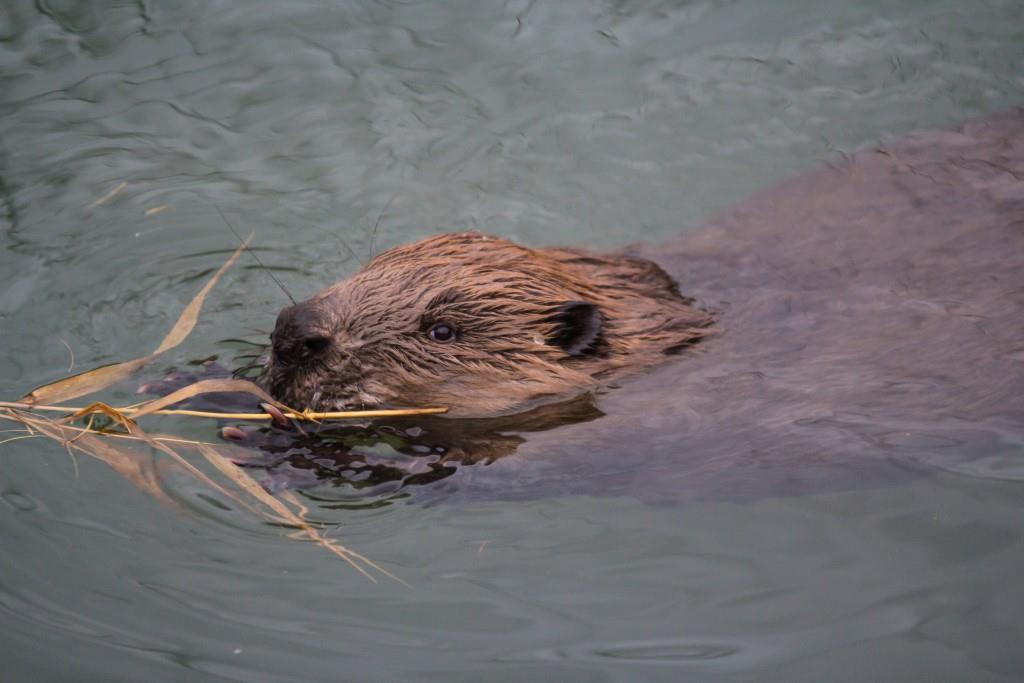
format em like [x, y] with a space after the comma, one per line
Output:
[305, 415]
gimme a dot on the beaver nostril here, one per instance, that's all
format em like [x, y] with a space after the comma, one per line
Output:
[316, 344]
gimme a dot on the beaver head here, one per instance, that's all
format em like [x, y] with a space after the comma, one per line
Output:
[479, 325]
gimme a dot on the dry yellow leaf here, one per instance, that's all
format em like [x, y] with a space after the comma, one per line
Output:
[102, 377]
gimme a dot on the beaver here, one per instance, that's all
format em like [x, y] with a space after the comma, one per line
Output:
[902, 252]
[843, 329]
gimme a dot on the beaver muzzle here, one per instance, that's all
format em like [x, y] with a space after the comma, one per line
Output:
[302, 333]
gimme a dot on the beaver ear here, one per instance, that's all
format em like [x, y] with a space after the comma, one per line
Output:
[577, 328]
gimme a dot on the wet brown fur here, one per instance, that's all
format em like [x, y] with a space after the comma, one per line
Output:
[508, 306]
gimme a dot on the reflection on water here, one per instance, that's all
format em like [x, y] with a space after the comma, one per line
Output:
[576, 122]
[375, 458]
[374, 462]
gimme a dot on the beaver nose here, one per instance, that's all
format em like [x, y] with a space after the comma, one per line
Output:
[302, 332]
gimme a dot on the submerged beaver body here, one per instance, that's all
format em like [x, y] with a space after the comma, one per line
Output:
[871, 322]
[866, 317]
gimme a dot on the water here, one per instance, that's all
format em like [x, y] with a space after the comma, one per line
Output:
[568, 122]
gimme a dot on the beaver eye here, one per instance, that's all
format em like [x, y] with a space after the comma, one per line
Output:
[442, 332]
